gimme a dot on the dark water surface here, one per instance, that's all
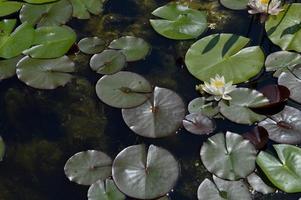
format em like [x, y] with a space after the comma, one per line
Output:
[42, 129]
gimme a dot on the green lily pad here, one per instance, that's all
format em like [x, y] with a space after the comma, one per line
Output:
[45, 73]
[239, 108]
[201, 105]
[108, 62]
[39, 1]
[132, 47]
[13, 43]
[258, 185]
[284, 127]
[160, 116]
[123, 89]
[179, 22]
[284, 29]
[2, 148]
[83, 8]
[51, 14]
[228, 156]
[91, 45]
[284, 172]
[51, 42]
[104, 190]
[198, 124]
[224, 54]
[9, 7]
[145, 174]
[87, 167]
[235, 4]
[8, 67]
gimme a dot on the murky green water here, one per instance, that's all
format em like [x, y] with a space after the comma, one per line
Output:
[42, 129]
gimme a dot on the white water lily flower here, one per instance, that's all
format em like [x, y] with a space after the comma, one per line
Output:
[271, 7]
[218, 88]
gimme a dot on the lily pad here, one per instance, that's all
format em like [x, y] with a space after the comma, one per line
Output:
[104, 190]
[145, 174]
[201, 105]
[259, 185]
[39, 1]
[108, 62]
[228, 156]
[83, 8]
[160, 116]
[123, 89]
[284, 29]
[284, 172]
[8, 67]
[198, 124]
[239, 108]
[91, 45]
[45, 73]
[179, 22]
[224, 54]
[132, 47]
[51, 42]
[51, 14]
[258, 136]
[235, 4]
[2, 148]
[9, 7]
[87, 167]
[284, 127]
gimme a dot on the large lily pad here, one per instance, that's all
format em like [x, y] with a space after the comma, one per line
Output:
[179, 22]
[239, 108]
[201, 105]
[198, 124]
[284, 29]
[228, 156]
[235, 4]
[132, 47]
[87, 167]
[123, 89]
[83, 8]
[224, 54]
[9, 7]
[8, 67]
[51, 42]
[45, 73]
[51, 14]
[104, 190]
[2, 148]
[91, 45]
[160, 116]
[259, 185]
[284, 127]
[145, 174]
[284, 172]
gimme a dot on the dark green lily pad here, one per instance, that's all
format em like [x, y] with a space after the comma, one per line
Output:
[200, 105]
[132, 47]
[87, 167]
[284, 172]
[145, 174]
[198, 124]
[284, 127]
[235, 4]
[9, 7]
[258, 185]
[104, 190]
[51, 14]
[179, 22]
[108, 62]
[45, 73]
[8, 67]
[2, 148]
[160, 116]
[91, 45]
[226, 55]
[123, 89]
[228, 156]
[83, 8]
[51, 42]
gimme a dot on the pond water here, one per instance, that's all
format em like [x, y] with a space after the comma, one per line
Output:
[42, 129]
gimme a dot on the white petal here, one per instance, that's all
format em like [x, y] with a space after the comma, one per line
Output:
[227, 97]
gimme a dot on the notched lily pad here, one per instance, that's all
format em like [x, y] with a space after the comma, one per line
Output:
[258, 136]
[8, 67]
[198, 124]
[258, 185]
[91, 45]
[83, 8]
[104, 190]
[200, 105]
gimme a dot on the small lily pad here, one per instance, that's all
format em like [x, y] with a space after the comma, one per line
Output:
[108, 62]
[228, 156]
[258, 136]
[8, 67]
[235, 4]
[83, 8]
[145, 174]
[198, 124]
[132, 47]
[160, 116]
[87, 167]
[104, 190]
[200, 105]
[2, 148]
[9, 7]
[259, 185]
[91, 45]
[45, 73]
[123, 89]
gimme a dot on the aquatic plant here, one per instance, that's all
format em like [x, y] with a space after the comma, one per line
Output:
[104, 190]
[2, 148]
[198, 124]
[9, 7]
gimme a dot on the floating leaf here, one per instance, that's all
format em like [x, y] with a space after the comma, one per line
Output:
[104, 190]
[123, 89]
[258, 185]
[9, 7]
[45, 73]
[228, 156]
[179, 22]
[284, 127]
[51, 14]
[2, 148]
[235, 4]
[239, 108]
[258, 136]
[284, 172]
[39, 1]
[132, 47]
[83, 8]
[145, 174]
[8, 67]
[224, 54]
[87, 167]
[200, 105]
[160, 116]
[108, 62]
[91, 45]
[284, 29]
[51, 42]
[198, 124]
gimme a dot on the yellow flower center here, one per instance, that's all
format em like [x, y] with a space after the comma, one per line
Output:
[264, 1]
[218, 84]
